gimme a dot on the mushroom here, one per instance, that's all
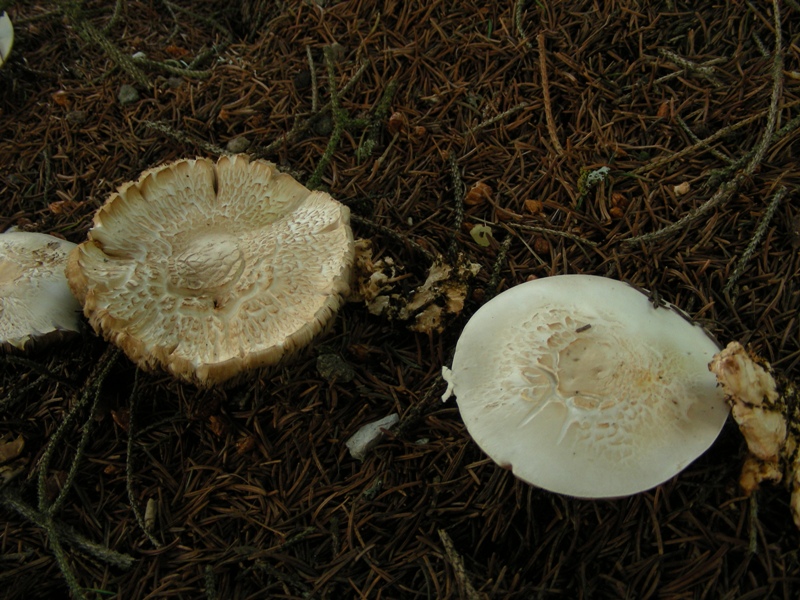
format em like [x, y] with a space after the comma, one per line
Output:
[582, 386]
[6, 37]
[36, 305]
[211, 269]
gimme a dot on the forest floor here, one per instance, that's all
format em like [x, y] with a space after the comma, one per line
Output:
[684, 113]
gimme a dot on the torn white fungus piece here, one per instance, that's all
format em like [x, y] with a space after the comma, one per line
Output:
[36, 305]
[211, 269]
[582, 387]
[6, 37]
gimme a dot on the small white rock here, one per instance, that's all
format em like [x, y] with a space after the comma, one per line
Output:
[366, 438]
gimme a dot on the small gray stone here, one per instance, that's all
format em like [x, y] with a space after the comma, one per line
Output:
[238, 144]
[77, 117]
[127, 94]
[333, 367]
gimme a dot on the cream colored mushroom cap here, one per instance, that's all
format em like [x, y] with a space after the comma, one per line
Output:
[210, 269]
[35, 300]
[582, 387]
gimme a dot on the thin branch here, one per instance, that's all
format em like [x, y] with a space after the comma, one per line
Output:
[548, 110]
[458, 198]
[761, 230]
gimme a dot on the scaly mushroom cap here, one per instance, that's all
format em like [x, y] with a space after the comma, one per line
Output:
[210, 269]
[582, 387]
[36, 304]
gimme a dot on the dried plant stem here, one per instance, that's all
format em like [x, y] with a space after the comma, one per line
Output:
[497, 118]
[790, 126]
[137, 513]
[494, 278]
[185, 138]
[455, 560]
[547, 230]
[172, 69]
[91, 391]
[698, 141]
[340, 121]
[313, 72]
[548, 109]
[518, 6]
[91, 34]
[704, 143]
[692, 67]
[16, 396]
[12, 501]
[458, 198]
[761, 230]
[114, 17]
[61, 559]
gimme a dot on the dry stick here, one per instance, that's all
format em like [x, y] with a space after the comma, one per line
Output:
[93, 35]
[92, 386]
[692, 67]
[114, 17]
[137, 513]
[518, 22]
[536, 229]
[11, 500]
[494, 278]
[185, 138]
[340, 119]
[172, 69]
[548, 110]
[778, 135]
[660, 162]
[313, 72]
[458, 567]
[61, 559]
[726, 190]
[761, 230]
[458, 197]
[497, 118]
[697, 140]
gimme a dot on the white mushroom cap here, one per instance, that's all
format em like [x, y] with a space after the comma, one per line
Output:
[6, 37]
[35, 300]
[209, 269]
[582, 387]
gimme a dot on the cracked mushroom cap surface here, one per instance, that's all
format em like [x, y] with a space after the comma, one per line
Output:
[36, 305]
[582, 387]
[209, 269]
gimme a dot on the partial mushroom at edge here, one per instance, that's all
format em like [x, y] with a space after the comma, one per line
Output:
[210, 269]
[36, 305]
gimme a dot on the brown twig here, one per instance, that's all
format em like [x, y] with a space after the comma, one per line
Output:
[548, 109]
